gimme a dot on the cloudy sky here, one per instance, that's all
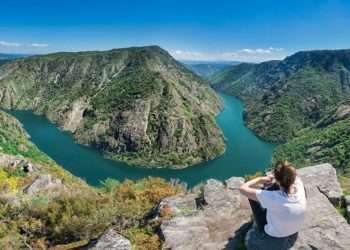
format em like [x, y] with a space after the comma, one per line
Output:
[246, 30]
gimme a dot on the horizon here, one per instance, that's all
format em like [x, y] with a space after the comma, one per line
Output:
[225, 31]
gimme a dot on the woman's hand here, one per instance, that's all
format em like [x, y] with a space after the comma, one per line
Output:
[266, 179]
[249, 191]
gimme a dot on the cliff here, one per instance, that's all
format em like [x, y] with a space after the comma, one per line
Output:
[43, 206]
[137, 105]
[218, 216]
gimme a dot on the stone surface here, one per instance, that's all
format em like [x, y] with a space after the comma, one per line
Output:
[324, 177]
[17, 162]
[44, 183]
[216, 223]
[222, 215]
[178, 205]
[324, 227]
[347, 199]
[111, 240]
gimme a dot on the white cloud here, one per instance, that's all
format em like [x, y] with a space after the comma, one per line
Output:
[244, 55]
[9, 44]
[40, 45]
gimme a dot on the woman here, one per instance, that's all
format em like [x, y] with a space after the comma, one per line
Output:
[279, 208]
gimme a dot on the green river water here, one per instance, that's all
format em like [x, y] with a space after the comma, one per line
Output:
[245, 153]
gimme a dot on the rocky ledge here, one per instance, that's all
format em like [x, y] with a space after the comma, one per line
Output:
[218, 217]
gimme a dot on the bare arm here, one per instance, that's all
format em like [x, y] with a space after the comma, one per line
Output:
[248, 190]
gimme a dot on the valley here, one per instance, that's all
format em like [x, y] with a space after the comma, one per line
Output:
[301, 102]
[90, 165]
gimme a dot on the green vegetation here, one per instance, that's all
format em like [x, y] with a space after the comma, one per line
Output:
[283, 97]
[129, 103]
[83, 215]
[301, 102]
[206, 70]
[74, 213]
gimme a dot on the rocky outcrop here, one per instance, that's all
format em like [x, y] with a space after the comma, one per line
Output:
[20, 162]
[44, 183]
[324, 177]
[111, 240]
[213, 220]
[219, 216]
[324, 227]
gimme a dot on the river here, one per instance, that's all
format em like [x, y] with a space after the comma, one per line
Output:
[245, 153]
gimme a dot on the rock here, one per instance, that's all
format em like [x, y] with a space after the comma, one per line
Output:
[44, 183]
[324, 227]
[10, 199]
[215, 224]
[347, 200]
[111, 240]
[178, 205]
[324, 177]
[348, 212]
[17, 162]
[234, 183]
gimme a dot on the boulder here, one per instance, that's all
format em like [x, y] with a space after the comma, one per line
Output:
[324, 227]
[324, 177]
[111, 240]
[44, 183]
[178, 205]
[216, 223]
[220, 216]
[17, 162]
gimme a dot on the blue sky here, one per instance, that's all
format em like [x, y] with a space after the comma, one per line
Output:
[249, 30]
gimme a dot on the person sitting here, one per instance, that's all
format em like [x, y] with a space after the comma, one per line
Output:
[278, 208]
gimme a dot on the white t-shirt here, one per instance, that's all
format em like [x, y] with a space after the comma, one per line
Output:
[285, 213]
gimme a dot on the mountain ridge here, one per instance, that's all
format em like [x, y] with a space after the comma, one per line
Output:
[138, 105]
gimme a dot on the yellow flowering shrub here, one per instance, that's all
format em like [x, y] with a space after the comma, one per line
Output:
[7, 183]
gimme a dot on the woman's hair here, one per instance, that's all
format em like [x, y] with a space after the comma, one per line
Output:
[285, 174]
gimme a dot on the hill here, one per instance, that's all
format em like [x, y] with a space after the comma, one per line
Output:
[302, 101]
[137, 105]
[207, 69]
[283, 97]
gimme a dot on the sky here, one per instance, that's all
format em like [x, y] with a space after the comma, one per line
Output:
[246, 30]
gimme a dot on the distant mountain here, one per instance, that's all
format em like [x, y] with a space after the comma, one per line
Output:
[7, 57]
[207, 69]
[283, 97]
[327, 141]
[302, 100]
[137, 105]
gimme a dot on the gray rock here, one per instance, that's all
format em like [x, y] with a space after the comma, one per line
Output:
[324, 227]
[179, 205]
[348, 212]
[324, 177]
[234, 183]
[111, 240]
[44, 183]
[347, 200]
[17, 162]
[214, 225]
